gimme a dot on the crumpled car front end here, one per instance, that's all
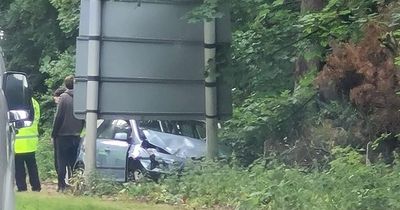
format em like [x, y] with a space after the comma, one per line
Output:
[163, 153]
[156, 162]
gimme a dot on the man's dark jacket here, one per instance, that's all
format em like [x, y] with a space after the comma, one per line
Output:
[65, 124]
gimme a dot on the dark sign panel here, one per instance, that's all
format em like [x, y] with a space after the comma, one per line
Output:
[151, 61]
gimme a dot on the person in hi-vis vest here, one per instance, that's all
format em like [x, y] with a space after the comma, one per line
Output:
[25, 147]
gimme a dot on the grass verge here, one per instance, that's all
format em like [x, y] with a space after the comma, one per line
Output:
[43, 201]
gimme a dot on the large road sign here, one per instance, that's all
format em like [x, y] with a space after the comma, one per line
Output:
[151, 61]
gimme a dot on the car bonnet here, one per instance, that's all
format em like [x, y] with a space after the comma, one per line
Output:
[181, 146]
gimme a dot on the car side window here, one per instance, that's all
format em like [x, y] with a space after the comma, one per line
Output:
[116, 129]
[201, 129]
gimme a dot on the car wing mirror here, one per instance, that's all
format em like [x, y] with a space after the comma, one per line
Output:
[19, 97]
[18, 117]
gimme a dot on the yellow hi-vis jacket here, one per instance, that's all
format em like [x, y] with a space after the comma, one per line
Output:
[27, 138]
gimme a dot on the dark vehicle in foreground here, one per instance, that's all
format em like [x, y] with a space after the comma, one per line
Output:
[16, 111]
[128, 150]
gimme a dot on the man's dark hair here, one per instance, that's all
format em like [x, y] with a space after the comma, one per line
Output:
[69, 82]
[59, 91]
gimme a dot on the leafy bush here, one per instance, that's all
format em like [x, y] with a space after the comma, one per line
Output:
[94, 185]
[365, 74]
[275, 120]
[45, 158]
[347, 184]
[338, 124]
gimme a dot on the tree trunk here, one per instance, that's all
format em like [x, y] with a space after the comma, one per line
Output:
[303, 65]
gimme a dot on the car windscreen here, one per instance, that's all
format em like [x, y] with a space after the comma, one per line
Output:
[193, 129]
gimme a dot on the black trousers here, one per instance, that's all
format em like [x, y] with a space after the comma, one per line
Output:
[66, 148]
[20, 174]
[55, 155]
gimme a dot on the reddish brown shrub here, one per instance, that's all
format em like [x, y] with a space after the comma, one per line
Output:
[365, 74]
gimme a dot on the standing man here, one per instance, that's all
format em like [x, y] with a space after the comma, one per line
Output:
[56, 97]
[25, 147]
[66, 132]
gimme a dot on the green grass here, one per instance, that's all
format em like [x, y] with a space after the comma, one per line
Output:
[42, 201]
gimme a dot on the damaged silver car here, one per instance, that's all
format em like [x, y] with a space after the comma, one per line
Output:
[128, 150]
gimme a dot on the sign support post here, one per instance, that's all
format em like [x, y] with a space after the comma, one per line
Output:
[210, 88]
[93, 70]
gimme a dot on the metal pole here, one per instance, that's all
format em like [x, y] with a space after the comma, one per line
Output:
[92, 86]
[210, 88]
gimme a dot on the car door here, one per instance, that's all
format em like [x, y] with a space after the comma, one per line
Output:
[6, 158]
[113, 142]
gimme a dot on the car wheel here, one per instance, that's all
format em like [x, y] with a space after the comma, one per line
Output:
[137, 175]
[135, 172]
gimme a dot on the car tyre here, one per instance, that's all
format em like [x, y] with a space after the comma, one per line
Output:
[135, 171]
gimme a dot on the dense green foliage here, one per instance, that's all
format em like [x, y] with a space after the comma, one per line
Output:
[39, 39]
[272, 108]
[45, 158]
[347, 184]
[31, 32]
[279, 115]
[272, 105]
